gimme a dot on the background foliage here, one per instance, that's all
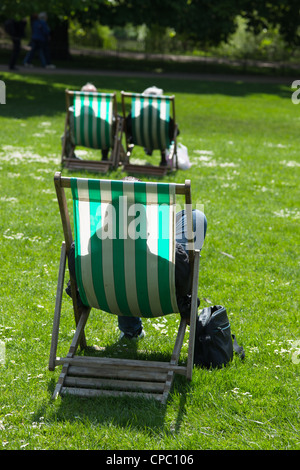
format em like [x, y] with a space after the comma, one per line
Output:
[201, 20]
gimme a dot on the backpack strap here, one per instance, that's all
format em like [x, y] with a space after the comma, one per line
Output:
[238, 349]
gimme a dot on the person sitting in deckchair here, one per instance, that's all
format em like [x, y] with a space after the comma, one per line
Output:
[131, 327]
[153, 90]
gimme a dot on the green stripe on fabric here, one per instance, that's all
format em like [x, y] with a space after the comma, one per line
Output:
[77, 241]
[96, 243]
[150, 116]
[141, 256]
[141, 121]
[90, 120]
[81, 120]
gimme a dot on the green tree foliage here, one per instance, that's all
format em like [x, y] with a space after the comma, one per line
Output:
[61, 8]
[284, 14]
[204, 21]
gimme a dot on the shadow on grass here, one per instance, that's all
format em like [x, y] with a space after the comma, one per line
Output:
[35, 95]
[127, 412]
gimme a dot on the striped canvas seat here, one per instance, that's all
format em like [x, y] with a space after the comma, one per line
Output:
[92, 122]
[124, 246]
[92, 119]
[124, 264]
[151, 121]
[150, 125]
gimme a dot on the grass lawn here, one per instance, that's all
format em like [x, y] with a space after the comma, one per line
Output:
[243, 142]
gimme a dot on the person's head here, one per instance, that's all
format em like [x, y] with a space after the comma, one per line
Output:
[153, 90]
[130, 178]
[43, 16]
[89, 87]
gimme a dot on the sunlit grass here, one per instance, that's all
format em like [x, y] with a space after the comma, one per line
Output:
[243, 143]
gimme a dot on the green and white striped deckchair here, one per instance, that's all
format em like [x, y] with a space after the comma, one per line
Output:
[151, 125]
[125, 264]
[91, 122]
[150, 117]
[92, 119]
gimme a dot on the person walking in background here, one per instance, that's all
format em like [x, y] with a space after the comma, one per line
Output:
[39, 41]
[16, 30]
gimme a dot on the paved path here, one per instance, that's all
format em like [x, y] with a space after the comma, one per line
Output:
[121, 73]
[286, 80]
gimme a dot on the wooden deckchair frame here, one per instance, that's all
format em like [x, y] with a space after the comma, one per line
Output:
[93, 165]
[141, 168]
[86, 376]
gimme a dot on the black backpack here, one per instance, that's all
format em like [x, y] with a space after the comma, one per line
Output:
[214, 343]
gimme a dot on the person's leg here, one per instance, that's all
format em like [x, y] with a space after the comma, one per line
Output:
[163, 161]
[199, 228]
[15, 53]
[131, 327]
[31, 53]
[42, 54]
[104, 154]
[182, 280]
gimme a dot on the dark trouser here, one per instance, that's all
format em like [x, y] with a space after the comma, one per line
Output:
[15, 52]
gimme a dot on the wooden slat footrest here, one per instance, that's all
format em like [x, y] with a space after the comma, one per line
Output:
[96, 376]
[102, 362]
[82, 392]
[149, 169]
[93, 165]
[101, 383]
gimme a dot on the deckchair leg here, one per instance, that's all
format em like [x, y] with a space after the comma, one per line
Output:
[117, 149]
[190, 361]
[73, 348]
[59, 292]
[174, 359]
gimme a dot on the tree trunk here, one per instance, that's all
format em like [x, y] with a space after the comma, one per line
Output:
[59, 42]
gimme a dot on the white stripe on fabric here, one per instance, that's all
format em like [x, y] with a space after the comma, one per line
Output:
[137, 119]
[129, 256]
[77, 108]
[110, 120]
[85, 244]
[102, 120]
[163, 117]
[172, 246]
